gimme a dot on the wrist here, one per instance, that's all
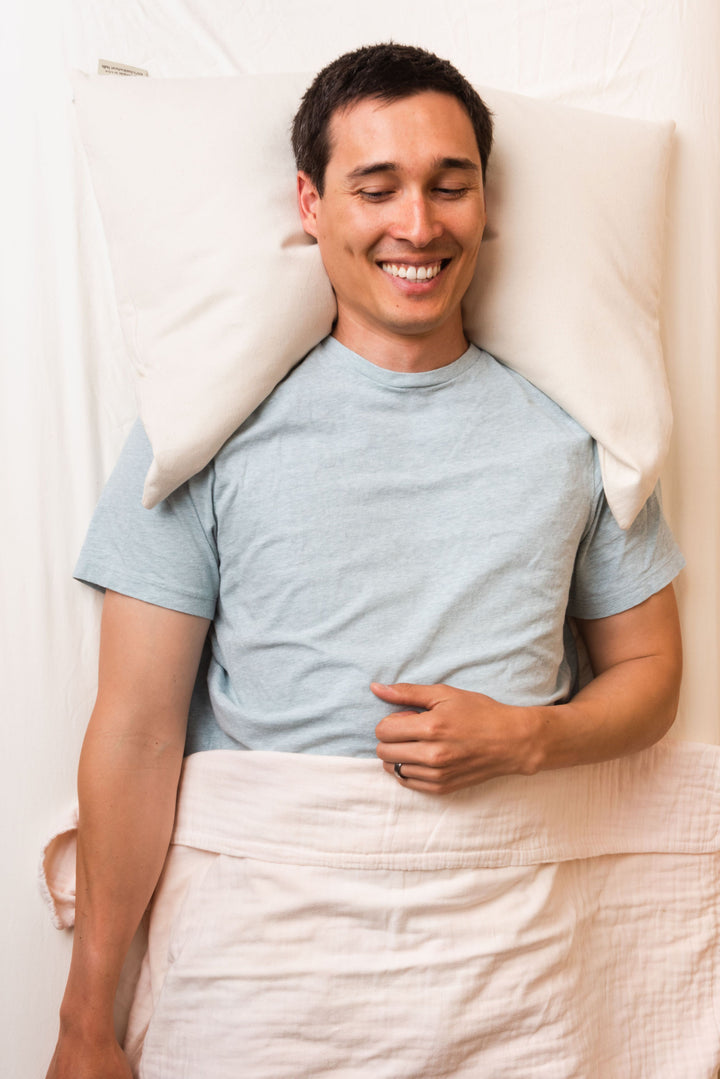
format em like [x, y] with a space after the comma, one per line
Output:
[87, 1008]
[542, 720]
[87, 1025]
[562, 736]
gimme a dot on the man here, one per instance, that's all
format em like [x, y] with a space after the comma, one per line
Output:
[385, 555]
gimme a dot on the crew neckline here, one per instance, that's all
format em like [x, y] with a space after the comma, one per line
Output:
[337, 352]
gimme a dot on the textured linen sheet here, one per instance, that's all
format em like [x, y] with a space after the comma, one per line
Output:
[316, 918]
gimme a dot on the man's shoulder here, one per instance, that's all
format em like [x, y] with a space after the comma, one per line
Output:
[522, 401]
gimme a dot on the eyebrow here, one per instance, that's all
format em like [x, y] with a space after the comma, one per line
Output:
[442, 163]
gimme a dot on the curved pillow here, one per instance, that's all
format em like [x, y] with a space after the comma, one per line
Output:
[220, 292]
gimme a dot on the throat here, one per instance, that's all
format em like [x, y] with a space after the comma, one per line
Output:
[411, 348]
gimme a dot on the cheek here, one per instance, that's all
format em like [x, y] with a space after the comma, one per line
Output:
[470, 242]
[343, 244]
[468, 225]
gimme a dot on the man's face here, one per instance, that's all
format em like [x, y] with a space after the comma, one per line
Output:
[401, 218]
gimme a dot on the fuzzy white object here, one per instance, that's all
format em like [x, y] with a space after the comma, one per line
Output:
[220, 292]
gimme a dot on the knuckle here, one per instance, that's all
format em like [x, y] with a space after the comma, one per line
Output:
[439, 756]
[434, 727]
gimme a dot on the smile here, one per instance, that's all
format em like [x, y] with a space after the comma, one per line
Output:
[412, 273]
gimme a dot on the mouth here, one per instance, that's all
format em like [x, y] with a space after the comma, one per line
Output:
[412, 272]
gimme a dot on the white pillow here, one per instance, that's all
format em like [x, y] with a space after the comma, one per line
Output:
[220, 292]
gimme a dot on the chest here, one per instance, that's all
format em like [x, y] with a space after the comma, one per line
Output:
[325, 504]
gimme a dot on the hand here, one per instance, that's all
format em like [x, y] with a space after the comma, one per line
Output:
[77, 1058]
[461, 738]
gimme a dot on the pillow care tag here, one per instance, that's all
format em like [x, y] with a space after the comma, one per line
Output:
[108, 67]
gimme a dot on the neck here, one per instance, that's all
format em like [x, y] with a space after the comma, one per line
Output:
[403, 352]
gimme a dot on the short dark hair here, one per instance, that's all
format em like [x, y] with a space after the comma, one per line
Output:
[387, 72]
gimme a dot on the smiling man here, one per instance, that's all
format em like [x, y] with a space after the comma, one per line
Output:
[387, 555]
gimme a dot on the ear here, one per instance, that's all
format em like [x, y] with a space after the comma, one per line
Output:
[308, 199]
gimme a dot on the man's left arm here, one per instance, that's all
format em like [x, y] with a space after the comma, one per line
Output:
[462, 738]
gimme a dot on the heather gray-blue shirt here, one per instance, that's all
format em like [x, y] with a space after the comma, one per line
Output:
[370, 525]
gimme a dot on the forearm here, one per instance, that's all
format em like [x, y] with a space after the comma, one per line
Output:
[127, 785]
[626, 708]
[631, 702]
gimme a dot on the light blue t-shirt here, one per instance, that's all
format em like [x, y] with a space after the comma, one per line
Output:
[371, 525]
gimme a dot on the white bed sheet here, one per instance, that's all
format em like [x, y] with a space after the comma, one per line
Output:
[567, 923]
[66, 400]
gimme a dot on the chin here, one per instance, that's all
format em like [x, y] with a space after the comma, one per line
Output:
[416, 327]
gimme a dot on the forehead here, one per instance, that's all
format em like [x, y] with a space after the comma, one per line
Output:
[428, 126]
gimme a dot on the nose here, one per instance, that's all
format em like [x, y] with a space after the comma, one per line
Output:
[416, 220]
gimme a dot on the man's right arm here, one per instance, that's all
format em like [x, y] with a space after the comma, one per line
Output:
[127, 786]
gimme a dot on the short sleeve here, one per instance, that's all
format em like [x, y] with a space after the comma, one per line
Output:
[616, 569]
[166, 555]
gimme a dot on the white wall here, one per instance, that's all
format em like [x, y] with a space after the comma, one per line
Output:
[62, 363]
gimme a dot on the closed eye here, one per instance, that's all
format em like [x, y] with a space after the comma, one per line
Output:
[451, 192]
[376, 196]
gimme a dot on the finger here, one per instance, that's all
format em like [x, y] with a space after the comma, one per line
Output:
[418, 772]
[437, 756]
[427, 780]
[401, 727]
[405, 752]
[417, 696]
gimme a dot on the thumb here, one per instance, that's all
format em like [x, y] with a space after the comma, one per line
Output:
[416, 696]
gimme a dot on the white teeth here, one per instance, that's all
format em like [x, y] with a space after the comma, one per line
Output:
[412, 273]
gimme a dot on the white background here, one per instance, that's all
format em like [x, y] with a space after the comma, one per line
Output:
[66, 401]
